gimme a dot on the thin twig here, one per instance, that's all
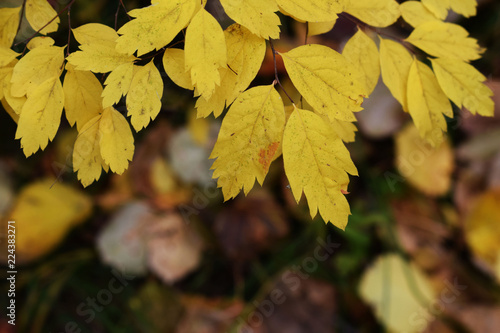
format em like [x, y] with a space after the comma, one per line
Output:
[126, 11]
[276, 78]
[69, 31]
[36, 32]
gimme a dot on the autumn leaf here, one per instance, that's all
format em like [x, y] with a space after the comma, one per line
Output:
[415, 13]
[427, 103]
[40, 116]
[116, 141]
[245, 55]
[395, 64]
[154, 26]
[378, 13]
[205, 52]
[39, 13]
[175, 66]
[312, 11]
[117, 84]
[144, 96]
[310, 144]
[463, 84]
[248, 139]
[9, 21]
[82, 91]
[448, 40]
[258, 16]
[326, 79]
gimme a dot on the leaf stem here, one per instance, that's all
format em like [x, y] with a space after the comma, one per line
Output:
[276, 78]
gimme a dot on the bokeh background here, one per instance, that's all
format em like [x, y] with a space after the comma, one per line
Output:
[157, 249]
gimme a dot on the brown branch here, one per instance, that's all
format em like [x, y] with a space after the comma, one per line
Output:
[276, 78]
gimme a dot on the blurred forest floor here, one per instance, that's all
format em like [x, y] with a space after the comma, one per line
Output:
[157, 250]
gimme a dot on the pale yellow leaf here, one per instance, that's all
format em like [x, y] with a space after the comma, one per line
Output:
[248, 139]
[154, 26]
[312, 10]
[415, 13]
[326, 79]
[116, 141]
[205, 52]
[245, 53]
[4, 71]
[16, 103]
[40, 116]
[441, 39]
[87, 160]
[144, 96]
[9, 21]
[390, 285]
[438, 7]
[463, 84]
[362, 52]
[344, 129]
[40, 41]
[427, 103]
[377, 13]
[98, 58]
[117, 84]
[37, 66]
[258, 16]
[39, 13]
[319, 28]
[395, 63]
[10, 110]
[95, 33]
[82, 91]
[426, 168]
[174, 65]
[317, 163]
[46, 210]
[7, 56]
[466, 8]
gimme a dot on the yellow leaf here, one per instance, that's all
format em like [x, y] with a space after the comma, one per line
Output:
[438, 7]
[248, 139]
[377, 13]
[39, 13]
[16, 103]
[87, 158]
[415, 13]
[40, 41]
[326, 79]
[427, 103]
[116, 142]
[39, 65]
[395, 63]
[482, 227]
[4, 71]
[362, 52]
[9, 21]
[466, 8]
[82, 92]
[312, 10]
[95, 33]
[46, 210]
[7, 56]
[463, 84]
[117, 84]
[144, 96]
[441, 39]
[258, 16]
[389, 286]
[317, 163]
[98, 58]
[10, 110]
[427, 168]
[40, 116]
[205, 52]
[174, 65]
[154, 26]
[319, 28]
[245, 53]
